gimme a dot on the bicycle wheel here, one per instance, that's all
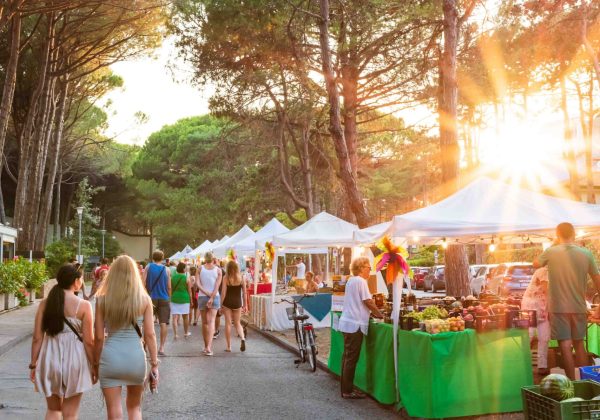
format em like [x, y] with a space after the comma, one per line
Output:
[311, 349]
[300, 341]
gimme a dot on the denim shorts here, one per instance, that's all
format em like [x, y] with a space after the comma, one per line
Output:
[203, 300]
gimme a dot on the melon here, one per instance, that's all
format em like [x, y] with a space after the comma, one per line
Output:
[557, 386]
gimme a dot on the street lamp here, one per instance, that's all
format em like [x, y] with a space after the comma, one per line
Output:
[80, 214]
[103, 232]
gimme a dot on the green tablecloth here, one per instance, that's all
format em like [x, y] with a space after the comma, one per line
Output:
[443, 375]
[464, 373]
[375, 368]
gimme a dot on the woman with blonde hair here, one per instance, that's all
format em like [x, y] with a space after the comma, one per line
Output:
[208, 281]
[62, 346]
[234, 302]
[122, 306]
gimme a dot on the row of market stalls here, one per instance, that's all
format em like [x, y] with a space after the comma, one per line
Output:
[414, 369]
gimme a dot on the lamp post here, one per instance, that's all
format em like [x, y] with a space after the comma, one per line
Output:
[80, 214]
[103, 232]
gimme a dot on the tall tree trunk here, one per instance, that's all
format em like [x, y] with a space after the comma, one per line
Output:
[26, 149]
[347, 178]
[450, 153]
[589, 162]
[589, 48]
[10, 80]
[457, 264]
[57, 201]
[53, 154]
[570, 158]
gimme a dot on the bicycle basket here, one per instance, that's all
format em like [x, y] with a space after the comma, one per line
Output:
[290, 312]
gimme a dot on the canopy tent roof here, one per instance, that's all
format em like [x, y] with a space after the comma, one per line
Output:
[217, 242]
[258, 239]
[201, 249]
[486, 208]
[220, 251]
[175, 256]
[323, 230]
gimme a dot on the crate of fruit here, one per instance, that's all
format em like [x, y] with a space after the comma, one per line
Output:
[585, 404]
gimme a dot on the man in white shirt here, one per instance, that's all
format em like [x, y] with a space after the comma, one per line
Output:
[300, 269]
[354, 322]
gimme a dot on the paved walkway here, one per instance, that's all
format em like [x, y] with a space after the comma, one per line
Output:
[15, 326]
[261, 383]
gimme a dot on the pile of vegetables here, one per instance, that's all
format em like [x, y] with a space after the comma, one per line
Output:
[431, 312]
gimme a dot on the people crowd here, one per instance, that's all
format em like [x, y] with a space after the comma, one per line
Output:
[75, 346]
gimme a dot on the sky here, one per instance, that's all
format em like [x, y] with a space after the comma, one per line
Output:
[160, 87]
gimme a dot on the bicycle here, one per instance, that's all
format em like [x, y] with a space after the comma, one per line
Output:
[304, 331]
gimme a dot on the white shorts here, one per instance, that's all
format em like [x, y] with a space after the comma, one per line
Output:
[180, 308]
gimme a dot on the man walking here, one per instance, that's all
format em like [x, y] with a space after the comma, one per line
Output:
[568, 268]
[157, 279]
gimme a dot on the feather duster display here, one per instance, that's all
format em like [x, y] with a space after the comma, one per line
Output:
[392, 259]
[269, 252]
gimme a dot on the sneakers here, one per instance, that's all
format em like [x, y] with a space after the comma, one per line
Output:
[243, 345]
[216, 334]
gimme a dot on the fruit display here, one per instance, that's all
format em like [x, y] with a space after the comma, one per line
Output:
[435, 326]
[557, 386]
[456, 324]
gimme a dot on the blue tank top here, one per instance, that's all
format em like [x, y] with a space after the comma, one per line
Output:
[156, 281]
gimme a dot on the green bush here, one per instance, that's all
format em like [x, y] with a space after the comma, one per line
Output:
[12, 277]
[22, 274]
[58, 253]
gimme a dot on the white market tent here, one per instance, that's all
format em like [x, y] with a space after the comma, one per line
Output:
[257, 240]
[486, 208]
[201, 249]
[323, 230]
[218, 242]
[175, 256]
[220, 251]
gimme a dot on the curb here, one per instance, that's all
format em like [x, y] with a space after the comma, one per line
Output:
[287, 346]
[14, 342]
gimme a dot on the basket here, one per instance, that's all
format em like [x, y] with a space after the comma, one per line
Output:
[538, 407]
[521, 319]
[290, 312]
[590, 372]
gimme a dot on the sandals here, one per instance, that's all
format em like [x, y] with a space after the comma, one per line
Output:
[161, 353]
[243, 345]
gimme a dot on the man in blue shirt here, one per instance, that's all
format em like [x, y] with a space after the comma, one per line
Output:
[157, 279]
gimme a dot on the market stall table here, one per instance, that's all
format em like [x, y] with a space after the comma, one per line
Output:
[444, 375]
[261, 314]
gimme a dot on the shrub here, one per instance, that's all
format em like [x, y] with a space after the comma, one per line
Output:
[58, 253]
[12, 277]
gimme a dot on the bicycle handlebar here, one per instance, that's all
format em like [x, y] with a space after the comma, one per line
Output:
[296, 301]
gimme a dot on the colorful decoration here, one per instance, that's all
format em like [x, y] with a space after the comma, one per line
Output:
[231, 255]
[392, 259]
[269, 252]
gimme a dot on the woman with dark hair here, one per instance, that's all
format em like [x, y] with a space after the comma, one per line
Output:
[234, 302]
[62, 346]
[181, 299]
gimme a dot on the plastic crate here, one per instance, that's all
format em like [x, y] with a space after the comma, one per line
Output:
[590, 372]
[538, 407]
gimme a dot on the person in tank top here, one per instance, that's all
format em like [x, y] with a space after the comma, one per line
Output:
[181, 300]
[208, 281]
[62, 346]
[234, 303]
[123, 310]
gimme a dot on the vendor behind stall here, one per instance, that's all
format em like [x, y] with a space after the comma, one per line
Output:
[568, 268]
[354, 322]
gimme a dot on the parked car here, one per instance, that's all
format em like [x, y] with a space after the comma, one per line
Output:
[510, 278]
[419, 277]
[481, 275]
[435, 281]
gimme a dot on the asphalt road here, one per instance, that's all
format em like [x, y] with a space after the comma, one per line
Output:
[261, 383]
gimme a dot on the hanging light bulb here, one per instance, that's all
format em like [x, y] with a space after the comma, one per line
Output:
[492, 246]
[444, 243]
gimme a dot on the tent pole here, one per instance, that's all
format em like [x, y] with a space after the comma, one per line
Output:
[273, 287]
[257, 268]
